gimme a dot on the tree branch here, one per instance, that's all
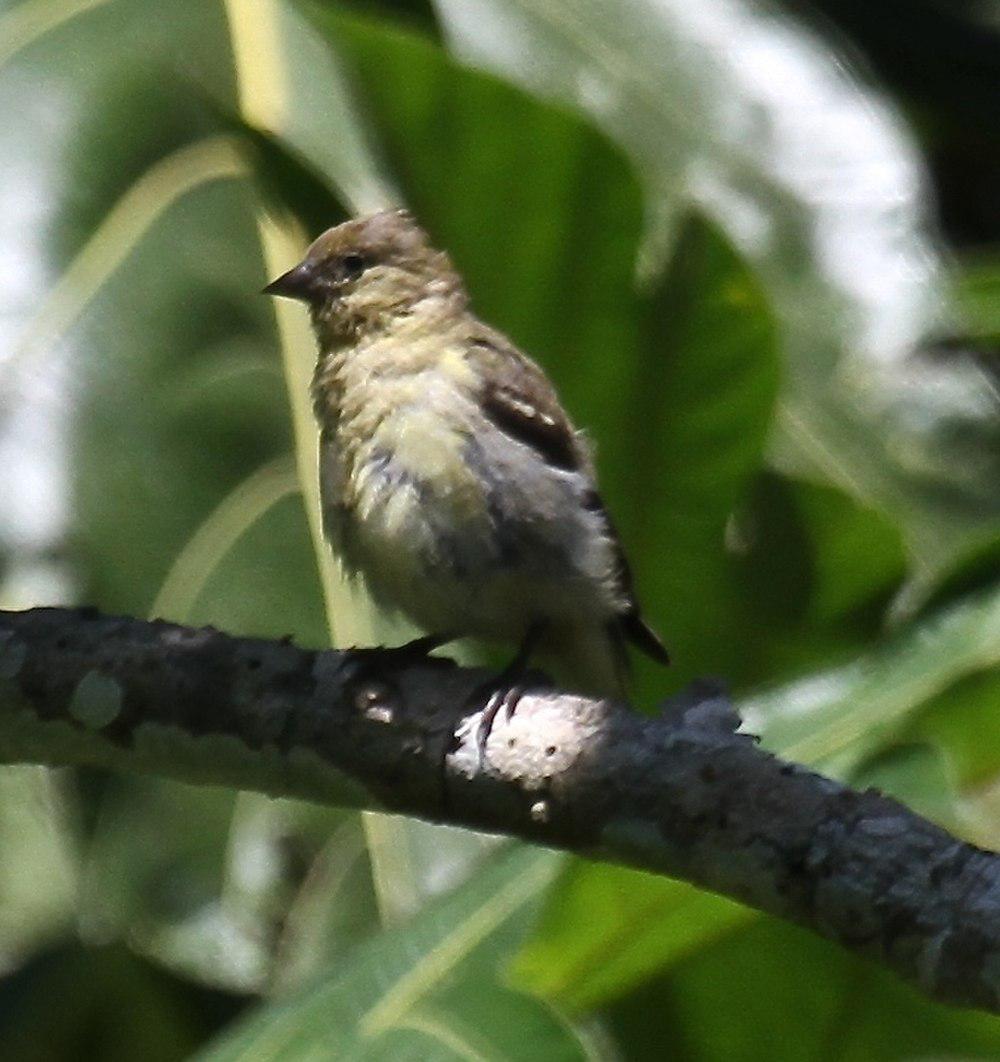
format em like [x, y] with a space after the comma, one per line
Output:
[681, 794]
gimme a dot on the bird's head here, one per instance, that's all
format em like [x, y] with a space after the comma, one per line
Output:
[364, 273]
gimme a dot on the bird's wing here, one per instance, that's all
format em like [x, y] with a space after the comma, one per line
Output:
[518, 398]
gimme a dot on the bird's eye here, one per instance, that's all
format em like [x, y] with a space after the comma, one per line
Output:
[354, 266]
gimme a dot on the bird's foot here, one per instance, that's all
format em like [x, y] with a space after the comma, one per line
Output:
[416, 650]
[375, 661]
[504, 693]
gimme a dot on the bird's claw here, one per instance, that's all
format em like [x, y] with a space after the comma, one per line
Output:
[504, 696]
[375, 663]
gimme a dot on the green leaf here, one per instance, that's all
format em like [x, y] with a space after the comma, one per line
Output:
[292, 89]
[130, 889]
[854, 276]
[977, 284]
[76, 1002]
[963, 721]
[855, 558]
[847, 712]
[428, 990]
[771, 992]
[705, 397]
[38, 835]
[917, 775]
[815, 573]
[263, 584]
[605, 929]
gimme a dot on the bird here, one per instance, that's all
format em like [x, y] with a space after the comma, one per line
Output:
[451, 478]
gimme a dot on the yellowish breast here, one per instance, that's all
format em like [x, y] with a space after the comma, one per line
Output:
[405, 414]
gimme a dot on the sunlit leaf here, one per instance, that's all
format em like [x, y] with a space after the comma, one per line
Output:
[428, 990]
[605, 929]
[292, 88]
[744, 112]
[39, 874]
[963, 720]
[851, 710]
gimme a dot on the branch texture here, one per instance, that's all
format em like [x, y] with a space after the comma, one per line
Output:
[682, 794]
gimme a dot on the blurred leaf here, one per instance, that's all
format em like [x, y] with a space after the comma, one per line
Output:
[963, 720]
[605, 929]
[977, 286]
[128, 885]
[263, 585]
[227, 904]
[774, 993]
[428, 990]
[247, 935]
[849, 711]
[38, 840]
[416, 861]
[918, 776]
[333, 910]
[816, 573]
[292, 89]
[705, 398]
[858, 557]
[77, 1005]
[744, 112]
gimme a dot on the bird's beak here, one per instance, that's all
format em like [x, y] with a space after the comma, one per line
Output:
[300, 283]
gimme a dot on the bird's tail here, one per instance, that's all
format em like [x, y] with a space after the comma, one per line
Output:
[588, 660]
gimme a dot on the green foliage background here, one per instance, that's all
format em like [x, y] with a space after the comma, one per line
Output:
[806, 471]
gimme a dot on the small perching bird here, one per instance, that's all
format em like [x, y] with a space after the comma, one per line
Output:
[450, 476]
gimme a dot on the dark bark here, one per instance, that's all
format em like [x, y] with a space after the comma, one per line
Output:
[682, 794]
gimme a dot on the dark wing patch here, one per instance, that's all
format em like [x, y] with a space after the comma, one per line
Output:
[630, 621]
[518, 398]
[516, 415]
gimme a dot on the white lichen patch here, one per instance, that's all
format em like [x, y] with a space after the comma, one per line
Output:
[96, 701]
[544, 738]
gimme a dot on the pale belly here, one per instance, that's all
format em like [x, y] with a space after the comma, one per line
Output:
[487, 551]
